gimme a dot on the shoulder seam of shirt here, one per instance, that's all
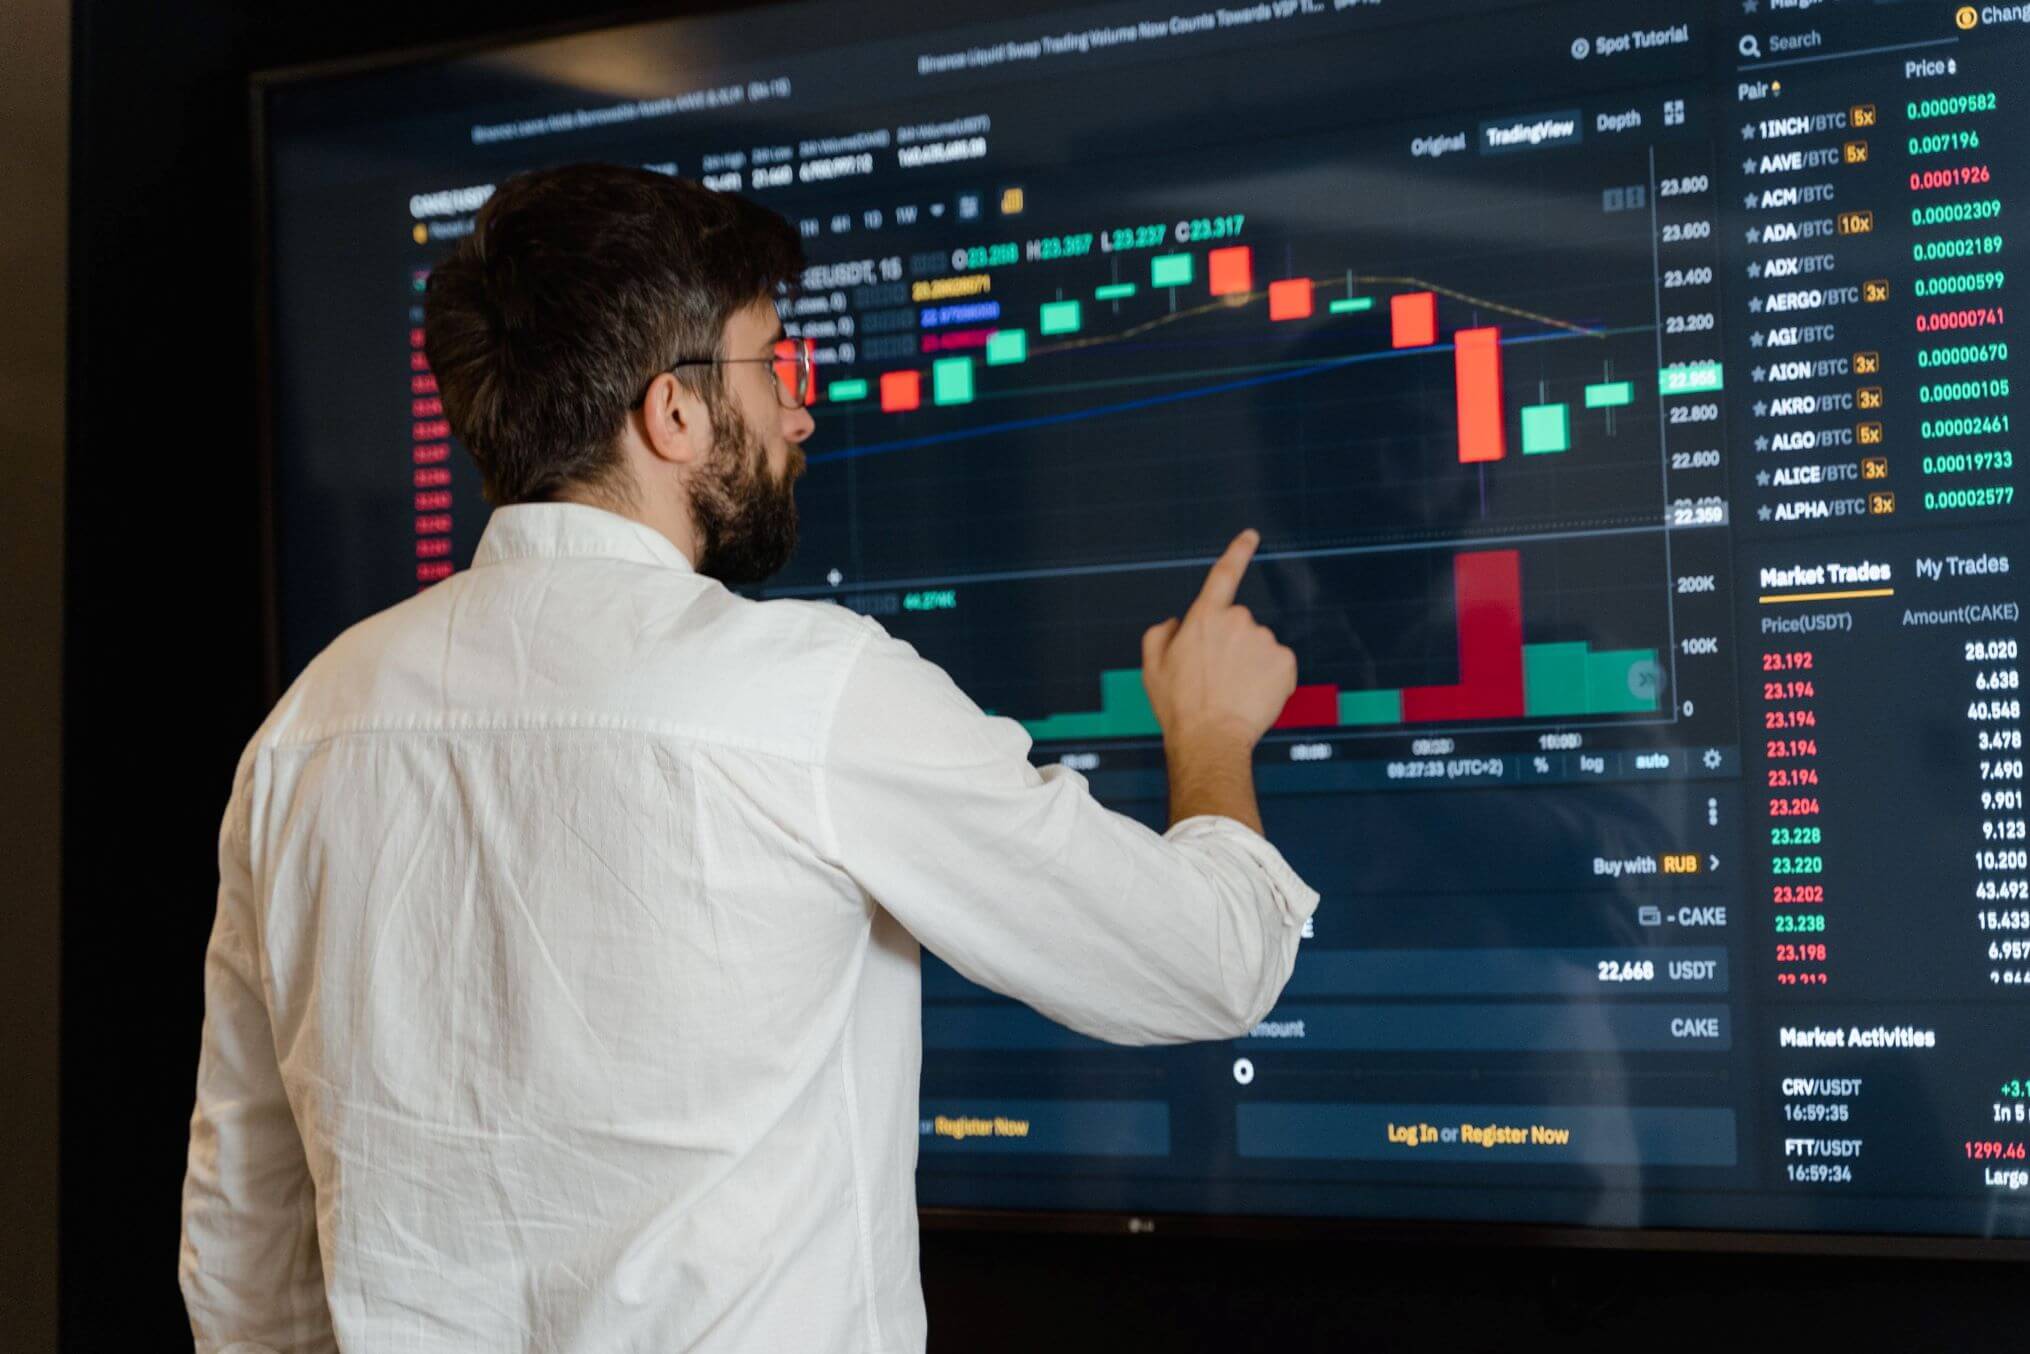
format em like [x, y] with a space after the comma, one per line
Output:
[827, 719]
[311, 737]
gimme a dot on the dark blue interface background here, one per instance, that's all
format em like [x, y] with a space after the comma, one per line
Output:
[1623, 393]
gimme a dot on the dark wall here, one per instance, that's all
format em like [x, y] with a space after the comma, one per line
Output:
[162, 688]
[34, 111]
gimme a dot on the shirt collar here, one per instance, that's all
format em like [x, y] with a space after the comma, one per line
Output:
[573, 530]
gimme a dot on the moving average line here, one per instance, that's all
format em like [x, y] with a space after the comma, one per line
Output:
[1240, 299]
[1151, 401]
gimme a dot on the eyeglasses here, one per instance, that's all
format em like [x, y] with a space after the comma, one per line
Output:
[795, 364]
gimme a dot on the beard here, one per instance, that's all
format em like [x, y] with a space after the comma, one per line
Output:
[746, 518]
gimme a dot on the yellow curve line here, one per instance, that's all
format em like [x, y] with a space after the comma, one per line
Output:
[1132, 331]
[1471, 300]
[1239, 299]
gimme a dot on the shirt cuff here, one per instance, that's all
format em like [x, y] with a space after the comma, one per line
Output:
[1294, 898]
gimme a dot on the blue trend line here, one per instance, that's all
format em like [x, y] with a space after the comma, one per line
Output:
[1150, 401]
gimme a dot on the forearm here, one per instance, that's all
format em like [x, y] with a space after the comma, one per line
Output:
[1212, 776]
[1029, 887]
[1088, 916]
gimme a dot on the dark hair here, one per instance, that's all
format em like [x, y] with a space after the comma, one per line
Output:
[577, 285]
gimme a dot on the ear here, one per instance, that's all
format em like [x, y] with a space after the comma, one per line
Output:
[675, 424]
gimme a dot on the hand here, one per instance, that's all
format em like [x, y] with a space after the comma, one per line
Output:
[1216, 678]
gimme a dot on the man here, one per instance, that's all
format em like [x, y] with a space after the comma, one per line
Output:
[563, 993]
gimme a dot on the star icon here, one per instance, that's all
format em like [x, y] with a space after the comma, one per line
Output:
[1755, 270]
[1748, 6]
[1762, 477]
[1748, 133]
[1762, 443]
[1748, 200]
[1754, 235]
[1748, 166]
[1762, 513]
[1761, 408]
[1755, 305]
[1755, 339]
[1757, 373]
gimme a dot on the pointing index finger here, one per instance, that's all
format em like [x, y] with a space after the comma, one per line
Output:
[1224, 579]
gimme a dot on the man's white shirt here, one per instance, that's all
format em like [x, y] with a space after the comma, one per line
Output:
[563, 990]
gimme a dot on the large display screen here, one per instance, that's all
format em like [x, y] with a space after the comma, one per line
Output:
[1623, 392]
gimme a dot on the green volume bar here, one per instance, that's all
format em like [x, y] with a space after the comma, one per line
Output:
[1058, 317]
[845, 392]
[1124, 712]
[1554, 679]
[1546, 428]
[1370, 707]
[1068, 726]
[1621, 682]
[1610, 394]
[1570, 679]
[1126, 701]
[1170, 270]
[1114, 291]
[1559, 681]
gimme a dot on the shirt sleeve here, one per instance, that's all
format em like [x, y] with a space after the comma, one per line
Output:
[1023, 882]
[252, 1277]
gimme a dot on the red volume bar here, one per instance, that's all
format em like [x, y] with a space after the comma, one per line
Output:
[1310, 707]
[1487, 594]
[1413, 319]
[1476, 370]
